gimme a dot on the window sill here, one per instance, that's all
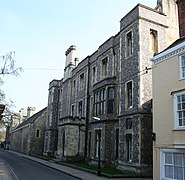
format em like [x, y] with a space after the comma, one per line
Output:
[182, 78]
[180, 129]
[128, 56]
[129, 107]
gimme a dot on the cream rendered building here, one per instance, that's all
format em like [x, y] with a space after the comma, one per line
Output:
[169, 112]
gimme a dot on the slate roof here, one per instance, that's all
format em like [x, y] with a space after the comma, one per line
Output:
[32, 118]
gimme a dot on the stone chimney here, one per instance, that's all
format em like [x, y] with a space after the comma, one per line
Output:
[21, 113]
[30, 111]
[70, 63]
[70, 55]
[181, 13]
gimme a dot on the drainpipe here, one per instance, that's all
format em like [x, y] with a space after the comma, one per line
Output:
[87, 111]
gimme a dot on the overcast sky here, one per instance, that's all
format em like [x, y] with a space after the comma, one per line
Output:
[40, 31]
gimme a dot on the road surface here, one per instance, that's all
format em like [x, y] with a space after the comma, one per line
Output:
[14, 167]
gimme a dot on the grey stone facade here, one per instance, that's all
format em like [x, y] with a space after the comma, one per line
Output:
[114, 84]
[51, 132]
[28, 137]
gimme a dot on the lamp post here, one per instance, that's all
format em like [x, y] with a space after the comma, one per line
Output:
[99, 137]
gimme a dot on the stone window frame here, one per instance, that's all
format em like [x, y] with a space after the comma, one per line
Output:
[117, 133]
[82, 81]
[37, 133]
[89, 143]
[129, 147]
[73, 86]
[129, 138]
[110, 100]
[94, 74]
[128, 99]
[96, 141]
[104, 67]
[100, 102]
[182, 66]
[154, 41]
[80, 108]
[72, 110]
[129, 44]
[179, 103]
[60, 94]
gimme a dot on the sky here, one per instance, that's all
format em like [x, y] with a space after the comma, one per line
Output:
[40, 31]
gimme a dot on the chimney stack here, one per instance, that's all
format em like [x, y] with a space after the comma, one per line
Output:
[30, 111]
[181, 13]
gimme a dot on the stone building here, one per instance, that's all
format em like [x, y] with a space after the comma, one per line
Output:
[109, 93]
[51, 134]
[143, 32]
[28, 137]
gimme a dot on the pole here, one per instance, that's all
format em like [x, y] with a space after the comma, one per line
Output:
[99, 158]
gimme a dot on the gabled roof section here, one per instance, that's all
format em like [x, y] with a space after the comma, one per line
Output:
[32, 118]
[177, 42]
[174, 49]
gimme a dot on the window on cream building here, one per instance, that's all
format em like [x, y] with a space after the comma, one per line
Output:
[179, 110]
[172, 164]
[182, 66]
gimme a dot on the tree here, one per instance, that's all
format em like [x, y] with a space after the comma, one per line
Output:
[8, 65]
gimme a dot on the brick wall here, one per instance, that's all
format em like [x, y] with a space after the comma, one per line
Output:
[181, 12]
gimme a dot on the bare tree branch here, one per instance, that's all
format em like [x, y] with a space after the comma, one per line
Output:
[8, 65]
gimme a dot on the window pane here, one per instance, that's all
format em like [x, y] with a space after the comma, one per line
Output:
[180, 122]
[110, 106]
[178, 159]
[111, 93]
[178, 99]
[183, 61]
[178, 106]
[183, 72]
[180, 115]
[129, 94]
[183, 120]
[178, 173]
[183, 98]
[183, 105]
[101, 96]
[104, 94]
[168, 171]
[168, 158]
[128, 123]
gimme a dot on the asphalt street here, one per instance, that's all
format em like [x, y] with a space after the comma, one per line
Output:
[15, 167]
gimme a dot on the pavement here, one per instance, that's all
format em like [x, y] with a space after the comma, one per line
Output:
[80, 174]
